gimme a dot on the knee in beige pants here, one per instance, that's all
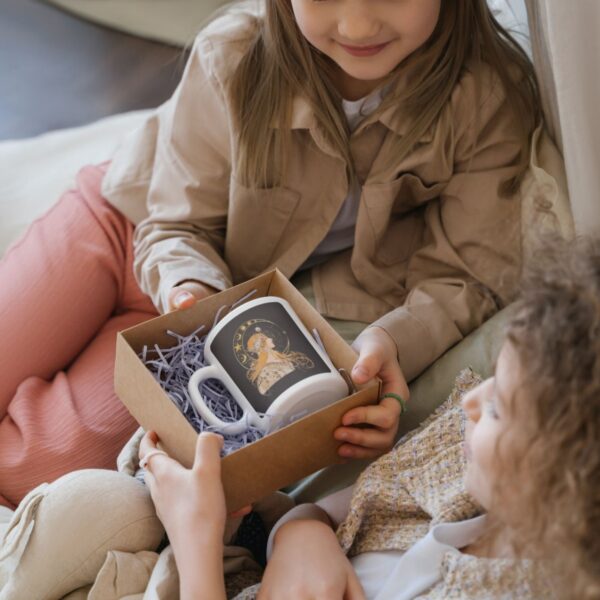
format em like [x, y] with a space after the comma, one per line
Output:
[79, 518]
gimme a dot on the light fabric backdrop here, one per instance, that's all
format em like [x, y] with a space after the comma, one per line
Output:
[171, 21]
[566, 49]
[35, 172]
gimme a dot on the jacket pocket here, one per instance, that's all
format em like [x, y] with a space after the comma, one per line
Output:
[396, 214]
[401, 239]
[256, 220]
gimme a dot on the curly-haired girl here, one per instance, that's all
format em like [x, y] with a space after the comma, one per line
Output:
[410, 527]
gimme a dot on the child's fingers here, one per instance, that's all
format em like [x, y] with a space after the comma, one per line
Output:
[368, 364]
[242, 512]
[150, 482]
[393, 380]
[148, 443]
[358, 452]
[369, 438]
[393, 406]
[354, 591]
[208, 452]
[184, 300]
[372, 365]
[180, 298]
[187, 293]
[383, 415]
[157, 460]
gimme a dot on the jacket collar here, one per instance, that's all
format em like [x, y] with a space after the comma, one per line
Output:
[303, 117]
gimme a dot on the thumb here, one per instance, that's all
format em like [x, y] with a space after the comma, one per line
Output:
[181, 298]
[367, 365]
[208, 451]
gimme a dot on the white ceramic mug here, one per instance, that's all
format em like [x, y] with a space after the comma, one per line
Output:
[271, 365]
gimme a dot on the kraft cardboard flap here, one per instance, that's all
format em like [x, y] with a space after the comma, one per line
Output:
[150, 406]
[289, 454]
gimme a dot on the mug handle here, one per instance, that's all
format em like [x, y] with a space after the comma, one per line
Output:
[229, 427]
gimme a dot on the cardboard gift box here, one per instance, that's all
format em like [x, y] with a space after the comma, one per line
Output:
[278, 459]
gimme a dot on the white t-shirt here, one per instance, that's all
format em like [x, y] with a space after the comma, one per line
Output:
[341, 234]
[393, 574]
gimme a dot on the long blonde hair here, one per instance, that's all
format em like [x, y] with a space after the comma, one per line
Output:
[281, 64]
[257, 345]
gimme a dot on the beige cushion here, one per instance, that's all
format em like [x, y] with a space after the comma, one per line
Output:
[35, 172]
[60, 536]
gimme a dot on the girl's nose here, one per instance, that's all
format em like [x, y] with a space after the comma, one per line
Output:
[358, 25]
[471, 403]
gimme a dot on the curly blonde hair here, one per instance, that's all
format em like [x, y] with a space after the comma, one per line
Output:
[556, 333]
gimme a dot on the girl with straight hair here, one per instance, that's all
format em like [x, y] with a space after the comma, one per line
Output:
[371, 150]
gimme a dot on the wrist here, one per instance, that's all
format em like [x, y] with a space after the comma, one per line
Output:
[200, 569]
[188, 556]
[203, 535]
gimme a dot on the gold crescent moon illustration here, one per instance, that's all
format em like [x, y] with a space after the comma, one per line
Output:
[248, 328]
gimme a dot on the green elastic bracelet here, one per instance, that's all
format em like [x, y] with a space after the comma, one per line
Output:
[400, 399]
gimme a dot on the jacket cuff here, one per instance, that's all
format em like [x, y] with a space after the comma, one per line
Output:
[419, 342]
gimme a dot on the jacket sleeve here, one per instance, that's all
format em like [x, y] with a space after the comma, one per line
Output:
[183, 236]
[470, 262]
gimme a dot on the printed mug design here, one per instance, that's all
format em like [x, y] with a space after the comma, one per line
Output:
[262, 348]
[264, 352]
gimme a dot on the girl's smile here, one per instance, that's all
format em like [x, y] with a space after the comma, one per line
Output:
[365, 51]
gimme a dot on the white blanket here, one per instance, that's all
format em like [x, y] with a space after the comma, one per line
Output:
[35, 172]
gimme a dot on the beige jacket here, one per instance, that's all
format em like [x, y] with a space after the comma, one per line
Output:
[436, 250]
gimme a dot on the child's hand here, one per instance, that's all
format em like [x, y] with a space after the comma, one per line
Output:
[378, 356]
[187, 293]
[189, 502]
[307, 562]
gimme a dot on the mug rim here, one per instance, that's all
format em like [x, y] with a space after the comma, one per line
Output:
[239, 309]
